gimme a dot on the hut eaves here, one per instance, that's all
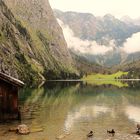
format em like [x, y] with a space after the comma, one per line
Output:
[11, 80]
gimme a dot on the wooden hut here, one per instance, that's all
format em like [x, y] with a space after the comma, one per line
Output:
[9, 87]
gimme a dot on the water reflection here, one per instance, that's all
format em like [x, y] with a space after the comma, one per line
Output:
[99, 82]
[84, 112]
[133, 113]
[78, 108]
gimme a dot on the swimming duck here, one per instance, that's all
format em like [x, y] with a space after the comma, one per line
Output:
[90, 134]
[138, 129]
[111, 132]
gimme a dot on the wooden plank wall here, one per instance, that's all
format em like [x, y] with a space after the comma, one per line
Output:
[8, 101]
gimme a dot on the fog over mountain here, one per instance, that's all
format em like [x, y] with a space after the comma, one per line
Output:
[84, 46]
[105, 40]
[131, 45]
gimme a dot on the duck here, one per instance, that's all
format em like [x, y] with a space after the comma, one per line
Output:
[111, 132]
[138, 126]
[90, 134]
[138, 129]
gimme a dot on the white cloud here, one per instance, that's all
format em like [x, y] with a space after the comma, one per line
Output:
[83, 46]
[132, 44]
[117, 8]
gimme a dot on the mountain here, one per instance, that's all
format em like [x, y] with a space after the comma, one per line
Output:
[137, 21]
[32, 44]
[132, 68]
[86, 67]
[129, 20]
[101, 39]
[102, 29]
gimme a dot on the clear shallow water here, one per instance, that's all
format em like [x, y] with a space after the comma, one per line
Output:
[78, 108]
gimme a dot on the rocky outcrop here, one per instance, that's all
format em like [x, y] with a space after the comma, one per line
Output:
[31, 41]
[37, 16]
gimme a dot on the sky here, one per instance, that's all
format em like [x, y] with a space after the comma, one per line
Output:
[118, 8]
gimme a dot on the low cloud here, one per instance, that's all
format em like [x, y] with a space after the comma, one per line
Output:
[84, 46]
[132, 44]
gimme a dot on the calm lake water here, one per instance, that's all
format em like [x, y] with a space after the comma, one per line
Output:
[77, 108]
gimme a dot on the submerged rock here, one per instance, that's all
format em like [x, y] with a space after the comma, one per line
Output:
[23, 129]
[62, 136]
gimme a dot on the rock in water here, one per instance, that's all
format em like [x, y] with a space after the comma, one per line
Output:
[23, 129]
[62, 136]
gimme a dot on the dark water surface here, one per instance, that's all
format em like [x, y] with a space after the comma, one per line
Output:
[77, 108]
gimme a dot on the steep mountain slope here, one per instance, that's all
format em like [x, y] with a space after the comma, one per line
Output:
[86, 67]
[16, 48]
[132, 68]
[31, 41]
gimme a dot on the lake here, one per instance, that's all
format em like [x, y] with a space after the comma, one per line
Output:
[77, 108]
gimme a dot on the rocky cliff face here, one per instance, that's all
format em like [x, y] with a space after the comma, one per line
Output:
[31, 42]
[37, 15]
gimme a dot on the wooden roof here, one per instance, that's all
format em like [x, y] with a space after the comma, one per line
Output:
[11, 80]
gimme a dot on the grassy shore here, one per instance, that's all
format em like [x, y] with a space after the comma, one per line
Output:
[105, 76]
[100, 79]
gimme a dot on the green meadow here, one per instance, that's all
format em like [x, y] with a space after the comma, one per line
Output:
[100, 79]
